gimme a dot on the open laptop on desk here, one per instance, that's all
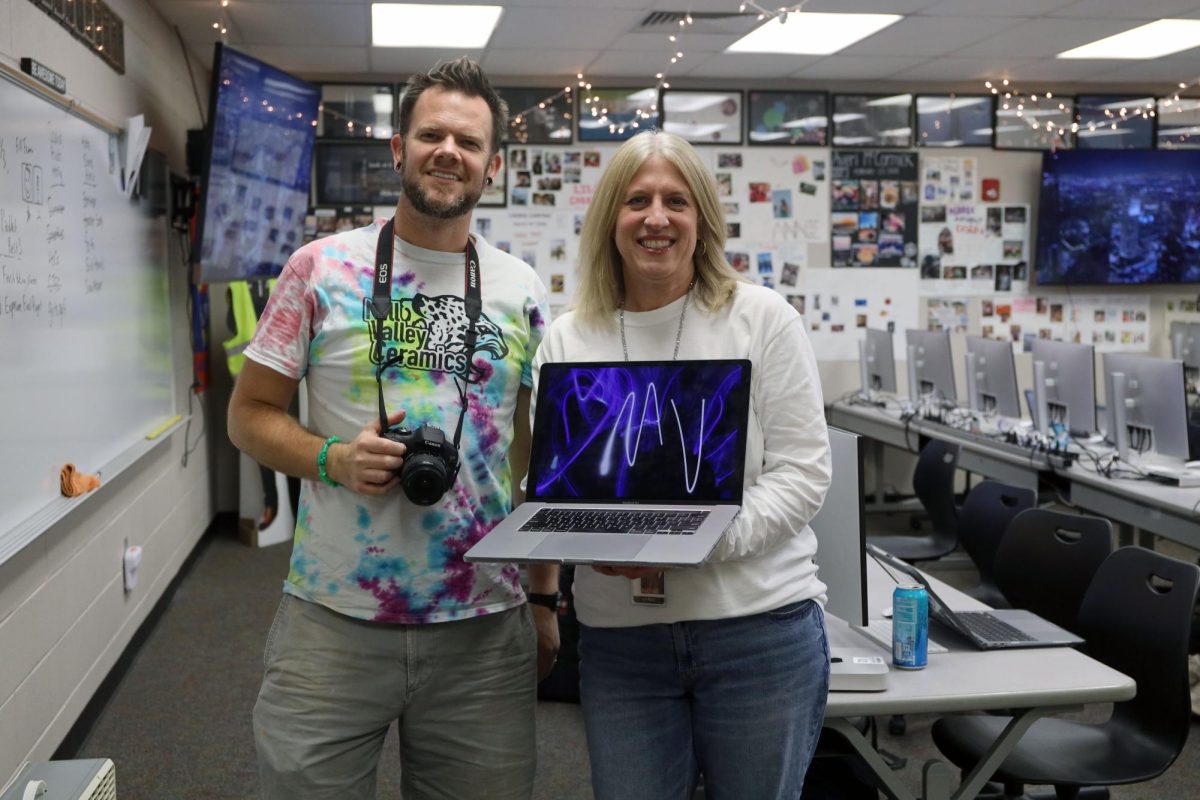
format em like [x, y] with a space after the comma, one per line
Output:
[995, 629]
[632, 463]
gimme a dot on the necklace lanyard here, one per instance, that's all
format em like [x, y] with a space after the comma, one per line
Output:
[381, 306]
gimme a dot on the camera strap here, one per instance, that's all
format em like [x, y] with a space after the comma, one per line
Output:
[381, 306]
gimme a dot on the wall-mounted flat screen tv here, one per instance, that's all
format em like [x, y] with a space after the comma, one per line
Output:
[1124, 218]
[255, 182]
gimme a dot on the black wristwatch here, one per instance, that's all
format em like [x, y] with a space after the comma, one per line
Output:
[549, 601]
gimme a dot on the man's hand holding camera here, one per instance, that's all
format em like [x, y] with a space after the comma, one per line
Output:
[369, 464]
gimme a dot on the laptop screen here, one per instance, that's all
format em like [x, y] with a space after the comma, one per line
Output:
[642, 431]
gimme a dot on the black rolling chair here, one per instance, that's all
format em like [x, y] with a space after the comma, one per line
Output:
[933, 484]
[1135, 617]
[982, 521]
[1047, 559]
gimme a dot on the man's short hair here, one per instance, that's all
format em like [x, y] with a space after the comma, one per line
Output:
[460, 75]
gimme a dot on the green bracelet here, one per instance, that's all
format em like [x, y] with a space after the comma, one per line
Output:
[323, 457]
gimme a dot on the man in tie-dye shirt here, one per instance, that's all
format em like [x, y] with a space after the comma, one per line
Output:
[381, 618]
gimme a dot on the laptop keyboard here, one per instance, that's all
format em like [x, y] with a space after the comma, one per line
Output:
[610, 520]
[990, 629]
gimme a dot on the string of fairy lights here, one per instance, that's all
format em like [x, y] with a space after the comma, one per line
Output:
[1031, 107]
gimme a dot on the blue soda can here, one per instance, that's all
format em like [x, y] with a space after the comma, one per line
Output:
[910, 626]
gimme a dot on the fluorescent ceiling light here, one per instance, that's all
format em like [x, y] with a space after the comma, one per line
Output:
[811, 33]
[1151, 40]
[408, 25]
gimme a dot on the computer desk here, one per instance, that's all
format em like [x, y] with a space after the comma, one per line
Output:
[1167, 511]
[1031, 683]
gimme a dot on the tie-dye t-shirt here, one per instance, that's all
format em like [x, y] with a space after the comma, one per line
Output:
[385, 558]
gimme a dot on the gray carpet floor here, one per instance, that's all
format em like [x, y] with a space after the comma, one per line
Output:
[178, 723]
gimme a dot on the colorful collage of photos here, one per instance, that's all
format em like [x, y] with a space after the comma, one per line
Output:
[550, 178]
[874, 208]
[1110, 323]
[974, 248]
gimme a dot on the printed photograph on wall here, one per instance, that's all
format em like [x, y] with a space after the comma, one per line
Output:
[1108, 122]
[954, 120]
[872, 120]
[1042, 124]
[874, 204]
[614, 115]
[538, 115]
[703, 117]
[788, 118]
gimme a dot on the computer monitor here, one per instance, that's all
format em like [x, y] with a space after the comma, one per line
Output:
[877, 362]
[1147, 407]
[841, 532]
[1185, 346]
[930, 369]
[992, 377]
[1064, 386]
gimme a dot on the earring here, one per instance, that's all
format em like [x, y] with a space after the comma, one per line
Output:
[397, 167]
[488, 182]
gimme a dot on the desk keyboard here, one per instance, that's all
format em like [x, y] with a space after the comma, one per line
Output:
[880, 632]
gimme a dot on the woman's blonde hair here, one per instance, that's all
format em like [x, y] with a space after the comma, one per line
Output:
[602, 285]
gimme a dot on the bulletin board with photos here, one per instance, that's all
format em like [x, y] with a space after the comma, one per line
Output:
[776, 204]
[874, 208]
[974, 248]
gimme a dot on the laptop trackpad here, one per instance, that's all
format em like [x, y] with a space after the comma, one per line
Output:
[611, 548]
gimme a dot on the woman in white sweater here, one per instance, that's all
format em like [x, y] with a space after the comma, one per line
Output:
[727, 675]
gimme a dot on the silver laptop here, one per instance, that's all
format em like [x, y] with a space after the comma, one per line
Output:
[994, 629]
[632, 463]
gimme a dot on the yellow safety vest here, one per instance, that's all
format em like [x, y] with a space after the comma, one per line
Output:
[245, 321]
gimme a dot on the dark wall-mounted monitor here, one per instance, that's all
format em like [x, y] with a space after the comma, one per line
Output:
[255, 182]
[1125, 218]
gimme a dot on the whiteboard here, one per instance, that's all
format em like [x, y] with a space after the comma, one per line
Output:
[85, 350]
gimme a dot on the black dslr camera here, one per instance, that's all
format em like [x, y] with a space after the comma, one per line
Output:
[430, 465]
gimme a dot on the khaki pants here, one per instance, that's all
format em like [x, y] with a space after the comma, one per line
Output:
[464, 694]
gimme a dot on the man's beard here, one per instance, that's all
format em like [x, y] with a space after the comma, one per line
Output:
[424, 204]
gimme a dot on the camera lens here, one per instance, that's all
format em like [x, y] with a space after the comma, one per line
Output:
[424, 479]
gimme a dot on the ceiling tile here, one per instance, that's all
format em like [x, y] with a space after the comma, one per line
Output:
[620, 63]
[312, 60]
[561, 28]
[931, 36]
[749, 65]
[958, 70]
[549, 65]
[689, 42]
[1054, 70]
[868, 6]
[1171, 72]
[1124, 9]
[397, 63]
[303, 24]
[858, 67]
[991, 8]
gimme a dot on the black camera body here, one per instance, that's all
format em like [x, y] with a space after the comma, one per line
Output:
[430, 463]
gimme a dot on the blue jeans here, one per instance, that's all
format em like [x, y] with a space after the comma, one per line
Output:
[740, 700]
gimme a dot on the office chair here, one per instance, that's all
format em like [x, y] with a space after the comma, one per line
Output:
[1135, 618]
[933, 484]
[982, 521]
[1047, 560]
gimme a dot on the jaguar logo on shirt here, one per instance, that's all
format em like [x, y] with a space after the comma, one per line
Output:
[429, 333]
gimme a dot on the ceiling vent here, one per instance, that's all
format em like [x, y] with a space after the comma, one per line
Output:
[702, 21]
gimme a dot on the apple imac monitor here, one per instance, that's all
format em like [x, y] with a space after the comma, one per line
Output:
[1147, 407]
[992, 377]
[930, 369]
[1185, 346]
[1064, 386]
[841, 532]
[877, 362]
